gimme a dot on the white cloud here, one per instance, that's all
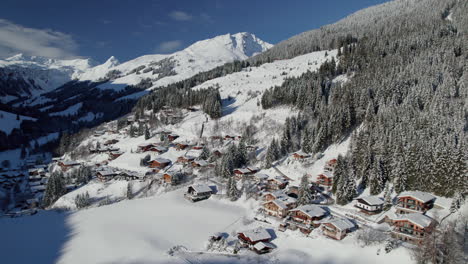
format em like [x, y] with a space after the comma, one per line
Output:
[169, 46]
[16, 39]
[180, 16]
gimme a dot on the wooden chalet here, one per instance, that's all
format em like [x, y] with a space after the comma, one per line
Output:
[263, 247]
[280, 206]
[172, 137]
[198, 192]
[325, 180]
[338, 228]
[199, 163]
[198, 146]
[217, 153]
[172, 177]
[412, 227]
[159, 163]
[115, 154]
[251, 237]
[65, 165]
[110, 142]
[369, 204]
[300, 155]
[306, 217]
[185, 159]
[330, 165]
[182, 145]
[240, 173]
[414, 202]
[277, 183]
[106, 175]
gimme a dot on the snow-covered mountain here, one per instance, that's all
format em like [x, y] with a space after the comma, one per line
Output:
[32, 75]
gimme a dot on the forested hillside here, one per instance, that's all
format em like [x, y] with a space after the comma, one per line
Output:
[407, 94]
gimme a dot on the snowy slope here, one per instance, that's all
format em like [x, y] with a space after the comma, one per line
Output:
[200, 56]
[8, 121]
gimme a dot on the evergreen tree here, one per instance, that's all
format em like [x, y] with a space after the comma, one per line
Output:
[305, 194]
[129, 191]
[54, 190]
[232, 191]
[147, 133]
[205, 154]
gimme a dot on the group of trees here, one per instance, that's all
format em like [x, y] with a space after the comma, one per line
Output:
[55, 189]
[235, 157]
[406, 91]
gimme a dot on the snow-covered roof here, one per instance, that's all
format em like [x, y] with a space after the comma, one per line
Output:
[261, 176]
[342, 223]
[415, 218]
[257, 234]
[311, 210]
[201, 162]
[201, 188]
[162, 160]
[107, 173]
[263, 245]
[279, 179]
[372, 200]
[70, 163]
[253, 168]
[327, 174]
[421, 196]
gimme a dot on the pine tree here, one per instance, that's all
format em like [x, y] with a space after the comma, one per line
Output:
[387, 196]
[54, 190]
[232, 191]
[147, 133]
[305, 195]
[205, 154]
[129, 192]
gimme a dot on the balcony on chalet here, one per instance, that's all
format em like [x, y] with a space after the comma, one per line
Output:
[408, 231]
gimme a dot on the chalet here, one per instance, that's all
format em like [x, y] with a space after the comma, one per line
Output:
[277, 183]
[414, 202]
[159, 163]
[263, 247]
[270, 196]
[369, 204]
[300, 155]
[172, 177]
[228, 137]
[412, 227]
[198, 192]
[293, 191]
[279, 207]
[106, 175]
[182, 145]
[253, 169]
[251, 237]
[240, 173]
[115, 154]
[306, 217]
[260, 177]
[325, 180]
[99, 133]
[330, 165]
[55, 160]
[36, 171]
[172, 137]
[144, 147]
[338, 228]
[251, 148]
[199, 163]
[198, 146]
[185, 159]
[110, 142]
[65, 165]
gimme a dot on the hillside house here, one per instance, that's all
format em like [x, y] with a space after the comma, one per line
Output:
[182, 145]
[159, 163]
[300, 155]
[338, 228]
[414, 202]
[106, 175]
[115, 154]
[330, 165]
[280, 206]
[173, 177]
[240, 173]
[325, 180]
[306, 217]
[198, 146]
[110, 142]
[263, 247]
[217, 153]
[251, 237]
[412, 227]
[276, 183]
[199, 163]
[260, 177]
[172, 137]
[198, 192]
[369, 204]
[65, 165]
[185, 159]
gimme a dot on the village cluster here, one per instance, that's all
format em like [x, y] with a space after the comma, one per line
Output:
[277, 195]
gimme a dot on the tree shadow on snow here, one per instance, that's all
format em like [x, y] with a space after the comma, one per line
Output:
[227, 107]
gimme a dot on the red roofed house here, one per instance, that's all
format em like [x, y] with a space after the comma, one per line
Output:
[330, 165]
[412, 227]
[325, 180]
[338, 228]
[300, 155]
[160, 163]
[305, 217]
[414, 202]
[279, 207]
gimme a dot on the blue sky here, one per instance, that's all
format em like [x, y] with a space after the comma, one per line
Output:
[127, 29]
